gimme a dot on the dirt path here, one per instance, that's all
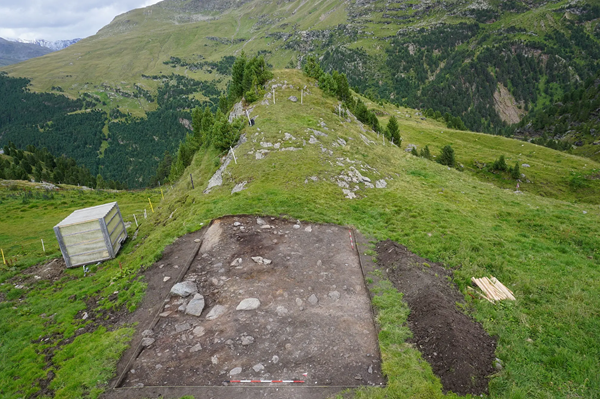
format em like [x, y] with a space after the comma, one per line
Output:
[314, 320]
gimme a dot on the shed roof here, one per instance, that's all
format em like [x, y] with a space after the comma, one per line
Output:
[87, 214]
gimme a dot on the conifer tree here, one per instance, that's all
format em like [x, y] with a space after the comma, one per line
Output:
[447, 157]
[516, 171]
[425, 153]
[393, 131]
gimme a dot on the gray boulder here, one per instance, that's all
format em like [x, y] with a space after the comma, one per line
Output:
[196, 306]
[185, 288]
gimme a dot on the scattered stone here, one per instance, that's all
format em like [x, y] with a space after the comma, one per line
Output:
[525, 165]
[248, 304]
[267, 261]
[199, 331]
[260, 154]
[313, 140]
[275, 359]
[146, 342]
[258, 367]
[197, 240]
[258, 259]
[410, 147]
[299, 302]
[349, 194]
[334, 295]
[381, 183]
[147, 333]
[313, 300]
[165, 314]
[288, 136]
[281, 311]
[166, 278]
[293, 99]
[247, 340]
[498, 364]
[296, 226]
[214, 359]
[370, 370]
[265, 226]
[182, 327]
[216, 311]
[196, 306]
[196, 348]
[235, 371]
[85, 316]
[308, 229]
[239, 187]
[260, 222]
[319, 263]
[236, 262]
[184, 289]
[236, 224]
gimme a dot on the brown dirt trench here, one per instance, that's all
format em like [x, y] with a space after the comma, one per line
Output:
[314, 321]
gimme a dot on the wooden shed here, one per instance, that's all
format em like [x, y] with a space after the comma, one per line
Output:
[91, 235]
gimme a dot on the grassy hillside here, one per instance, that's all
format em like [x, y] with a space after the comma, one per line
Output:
[489, 62]
[544, 249]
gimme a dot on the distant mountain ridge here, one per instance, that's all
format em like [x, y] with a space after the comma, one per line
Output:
[13, 52]
[53, 45]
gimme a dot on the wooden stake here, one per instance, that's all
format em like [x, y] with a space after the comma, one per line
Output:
[43, 247]
[150, 202]
[145, 215]
[136, 223]
[3, 260]
[192, 180]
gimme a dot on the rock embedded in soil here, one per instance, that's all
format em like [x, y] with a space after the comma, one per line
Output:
[199, 331]
[235, 371]
[258, 367]
[216, 311]
[184, 289]
[248, 304]
[182, 327]
[247, 340]
[334, 295]
[196, 348]
[313, 300]
[147, 341]
[196, 306]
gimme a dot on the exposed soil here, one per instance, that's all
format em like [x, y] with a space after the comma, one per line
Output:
[329, 343]
[459, 350]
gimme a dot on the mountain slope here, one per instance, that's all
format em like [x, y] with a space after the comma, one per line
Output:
[488, 62]
[544, 249]
[13, 52]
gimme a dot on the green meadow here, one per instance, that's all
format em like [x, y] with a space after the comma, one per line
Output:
[542, 243]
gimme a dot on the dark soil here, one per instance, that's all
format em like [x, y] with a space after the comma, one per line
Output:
[458, 349]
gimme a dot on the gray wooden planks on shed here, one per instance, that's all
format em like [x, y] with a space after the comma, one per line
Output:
[92, 234]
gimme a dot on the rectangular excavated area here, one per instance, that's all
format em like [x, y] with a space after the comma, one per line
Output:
[314, 321]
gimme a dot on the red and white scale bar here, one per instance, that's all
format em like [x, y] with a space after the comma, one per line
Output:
[265, 381]
[351, 240]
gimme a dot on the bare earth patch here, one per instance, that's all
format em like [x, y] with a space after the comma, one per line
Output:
[459, 350]
[313, 319]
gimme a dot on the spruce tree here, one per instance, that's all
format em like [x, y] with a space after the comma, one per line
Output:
[393, 131]
[447, 157]
[425, 153]
[516, 172]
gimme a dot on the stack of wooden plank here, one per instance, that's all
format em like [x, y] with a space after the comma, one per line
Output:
[493, 289]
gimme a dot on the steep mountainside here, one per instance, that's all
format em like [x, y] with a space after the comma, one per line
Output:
[13, 52]
[488, 62]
